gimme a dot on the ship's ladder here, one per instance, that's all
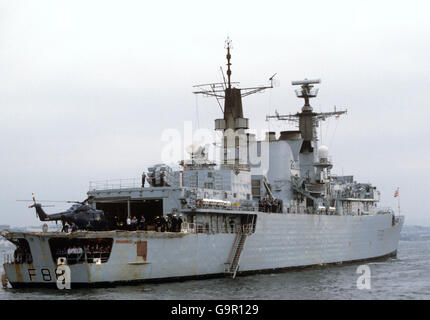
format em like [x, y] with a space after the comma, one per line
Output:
[232, 264]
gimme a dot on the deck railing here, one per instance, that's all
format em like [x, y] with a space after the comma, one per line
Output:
[205, 228]
[84, 257]
[115, 184]
[7, 258]
[383, 210]
[17, 258]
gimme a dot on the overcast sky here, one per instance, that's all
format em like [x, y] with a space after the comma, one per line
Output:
[87, 87]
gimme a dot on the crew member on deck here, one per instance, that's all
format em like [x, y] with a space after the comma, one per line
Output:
[143, 179]
[163, 224]
[163, 179]
[134, 224]
[157, 224]
[174, 223]
[142, 223]
[65, 227]
[179, 223]
[232, 225]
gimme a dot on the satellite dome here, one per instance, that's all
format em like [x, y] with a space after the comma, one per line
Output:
[193, 148]
[323, 152]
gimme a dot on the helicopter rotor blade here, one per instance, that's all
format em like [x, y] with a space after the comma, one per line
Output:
[65, 201]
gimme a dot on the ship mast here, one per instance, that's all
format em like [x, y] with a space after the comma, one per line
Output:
[228, 46]
[233, 124]
[307, 119]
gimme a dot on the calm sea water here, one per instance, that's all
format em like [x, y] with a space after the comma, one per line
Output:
[406, 277]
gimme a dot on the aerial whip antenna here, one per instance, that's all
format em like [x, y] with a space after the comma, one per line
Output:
[228, 46]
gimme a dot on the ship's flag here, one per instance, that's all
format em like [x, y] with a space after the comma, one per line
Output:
[396, 193]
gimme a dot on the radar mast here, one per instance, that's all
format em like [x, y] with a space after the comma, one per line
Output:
[307, 119]
[233, 123]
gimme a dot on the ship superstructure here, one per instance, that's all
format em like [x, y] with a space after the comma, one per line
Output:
[212, 219]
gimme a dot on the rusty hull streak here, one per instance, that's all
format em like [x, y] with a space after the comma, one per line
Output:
[42, 243]
[18, 272]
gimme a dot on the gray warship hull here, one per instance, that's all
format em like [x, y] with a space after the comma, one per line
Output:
[280, 241]
[267, 203]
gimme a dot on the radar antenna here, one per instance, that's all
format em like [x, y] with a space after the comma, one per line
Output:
[307, 119]
[306, 91]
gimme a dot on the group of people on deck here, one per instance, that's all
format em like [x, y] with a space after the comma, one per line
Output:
[270, 205]
[171, 223]
[134, 224]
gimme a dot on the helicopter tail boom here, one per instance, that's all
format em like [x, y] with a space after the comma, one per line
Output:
[41, 214]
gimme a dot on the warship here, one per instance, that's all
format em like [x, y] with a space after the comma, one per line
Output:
[269, 204]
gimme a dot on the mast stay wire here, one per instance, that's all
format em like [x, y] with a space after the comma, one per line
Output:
[327, 130]
[334, 133]
[321, 130]
[197, 113]
[269, 109]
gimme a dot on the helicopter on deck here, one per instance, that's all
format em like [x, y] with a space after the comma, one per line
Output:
[80, 216]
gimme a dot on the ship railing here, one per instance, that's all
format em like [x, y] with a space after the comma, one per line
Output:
[247, 228]
[128, 183]
[195, 227]
[384, 210]
[17, 258]
[85, 257]
[188, 227]
[226, 207]
[8, 258]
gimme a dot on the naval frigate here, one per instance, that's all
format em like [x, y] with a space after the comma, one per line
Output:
[232, 218]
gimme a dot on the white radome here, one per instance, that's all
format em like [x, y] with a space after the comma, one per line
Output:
[323, 152]
[193, 148]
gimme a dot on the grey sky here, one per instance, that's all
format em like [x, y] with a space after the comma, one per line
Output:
[87, 87]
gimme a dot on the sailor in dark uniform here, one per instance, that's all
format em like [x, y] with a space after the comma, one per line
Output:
[65, 227]
[174, 223]
[142, 223]
[169, 222]
[157, 223]
[163, 224]
[179, 223]
[163, 179]
[143, 179]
